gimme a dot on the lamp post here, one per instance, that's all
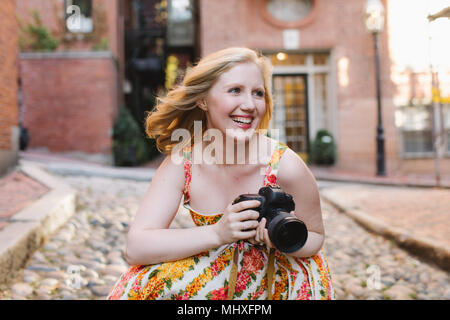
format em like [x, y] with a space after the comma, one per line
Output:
[438, 125]
[374, 21]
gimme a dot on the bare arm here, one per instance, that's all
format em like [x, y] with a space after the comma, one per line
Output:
[296, 179]
[150, 241]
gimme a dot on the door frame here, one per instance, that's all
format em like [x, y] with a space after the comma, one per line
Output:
[305, 77]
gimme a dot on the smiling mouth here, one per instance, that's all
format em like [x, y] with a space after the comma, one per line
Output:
[242, 120]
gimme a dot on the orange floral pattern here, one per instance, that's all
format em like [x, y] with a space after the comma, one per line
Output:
[206, 275]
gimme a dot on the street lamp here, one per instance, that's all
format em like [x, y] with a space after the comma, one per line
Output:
[374, 21]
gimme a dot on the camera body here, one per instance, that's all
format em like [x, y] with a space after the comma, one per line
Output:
[287, 232]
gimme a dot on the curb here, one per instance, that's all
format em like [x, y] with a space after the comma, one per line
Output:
[426, 248]
[383, 181]
[31, 227]
[93, 170]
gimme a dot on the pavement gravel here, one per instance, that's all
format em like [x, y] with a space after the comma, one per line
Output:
[84, 258]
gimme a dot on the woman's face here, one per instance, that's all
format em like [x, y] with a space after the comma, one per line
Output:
[235, 104]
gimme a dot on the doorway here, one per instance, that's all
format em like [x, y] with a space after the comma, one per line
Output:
[291, 111]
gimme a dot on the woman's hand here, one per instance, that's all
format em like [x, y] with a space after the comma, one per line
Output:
[238, 222]
[262, 234]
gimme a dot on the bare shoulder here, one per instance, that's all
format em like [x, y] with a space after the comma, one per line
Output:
[162, 199]
[294, 172]
[295, 178]
[171, 170]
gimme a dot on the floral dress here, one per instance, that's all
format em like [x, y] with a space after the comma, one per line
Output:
[239, 270]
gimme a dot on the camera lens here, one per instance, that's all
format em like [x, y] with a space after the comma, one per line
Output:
[287, 232]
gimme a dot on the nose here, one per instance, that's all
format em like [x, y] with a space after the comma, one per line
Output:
[247, 105]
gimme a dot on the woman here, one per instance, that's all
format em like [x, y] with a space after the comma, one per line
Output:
[228, 254]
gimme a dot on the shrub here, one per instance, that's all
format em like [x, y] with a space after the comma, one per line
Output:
[323, 149]
[35, 36]
[130, 145]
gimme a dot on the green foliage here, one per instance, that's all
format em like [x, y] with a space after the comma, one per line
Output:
[323, 149]
[130, 146]
[34, 36]
[102, 45]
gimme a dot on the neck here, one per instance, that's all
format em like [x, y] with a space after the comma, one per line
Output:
[231, 152]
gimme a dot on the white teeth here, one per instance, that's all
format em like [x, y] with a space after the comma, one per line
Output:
[242, 120]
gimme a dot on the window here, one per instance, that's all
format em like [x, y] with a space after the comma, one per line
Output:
[290, 113]
[78, 15]
[289, 10]
[416, 128]
[180, 23]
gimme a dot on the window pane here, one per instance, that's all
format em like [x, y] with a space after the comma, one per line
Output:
[320, 59]
[285, 59]
[79, 16]
[417, 141]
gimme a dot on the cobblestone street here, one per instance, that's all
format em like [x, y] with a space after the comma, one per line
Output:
[84, 258]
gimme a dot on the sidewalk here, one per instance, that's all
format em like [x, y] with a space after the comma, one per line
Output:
[416, 218]
[409, 210]
[413, 180]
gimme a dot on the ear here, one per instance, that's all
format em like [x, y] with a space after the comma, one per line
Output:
[202, 105]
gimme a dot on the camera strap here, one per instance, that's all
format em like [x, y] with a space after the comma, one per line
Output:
[233, 273]
[270, 272]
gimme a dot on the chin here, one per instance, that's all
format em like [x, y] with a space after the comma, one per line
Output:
[240, 135]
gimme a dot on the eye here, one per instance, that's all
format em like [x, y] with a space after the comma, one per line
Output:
[235, 90]
[259, 93]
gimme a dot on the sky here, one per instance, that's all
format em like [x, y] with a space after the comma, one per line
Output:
[414, 41]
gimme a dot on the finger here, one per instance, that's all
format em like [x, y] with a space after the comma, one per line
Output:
[244, 235]
[258, 234]
[249, 224]
[243, 205]
[267, 241]
[245, 215]
[262, 229]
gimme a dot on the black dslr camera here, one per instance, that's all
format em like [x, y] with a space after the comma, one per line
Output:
[286, 232]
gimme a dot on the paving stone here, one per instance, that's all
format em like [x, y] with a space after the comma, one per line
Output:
[21, 289]
[87, 264]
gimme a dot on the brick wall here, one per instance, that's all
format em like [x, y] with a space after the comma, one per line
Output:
[8, 73]
[8, 85]
[69, 100]
[51, 13]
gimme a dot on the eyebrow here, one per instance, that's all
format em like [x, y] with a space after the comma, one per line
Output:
[231, 85]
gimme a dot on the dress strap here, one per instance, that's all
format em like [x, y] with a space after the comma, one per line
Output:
[187, 158]
[270, 178]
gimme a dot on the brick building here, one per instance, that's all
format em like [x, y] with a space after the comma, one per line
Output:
[71, 94]
[9, 116]
[324, 72]
[324, 77]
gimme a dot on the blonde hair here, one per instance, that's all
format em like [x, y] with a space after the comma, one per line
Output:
[179, 108]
